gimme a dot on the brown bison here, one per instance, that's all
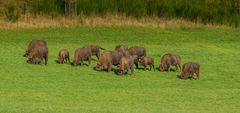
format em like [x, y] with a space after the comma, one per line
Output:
[37, 54]
[82, 54]
[109, 58]
[63, 55]
[121, 48]
[126, 63]
[138, 51]
[95, 49]
[105, 61]
[33, 44]
[170, 60]
[189, 69]
[145, 61]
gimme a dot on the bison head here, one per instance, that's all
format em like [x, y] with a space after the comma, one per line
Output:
[99, 66]
[162, 67]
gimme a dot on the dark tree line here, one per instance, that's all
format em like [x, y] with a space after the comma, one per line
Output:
[206, 11]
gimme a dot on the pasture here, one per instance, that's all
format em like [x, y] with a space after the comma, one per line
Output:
[56, 88]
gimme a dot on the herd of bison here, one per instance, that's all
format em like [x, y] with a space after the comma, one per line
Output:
[123, 57]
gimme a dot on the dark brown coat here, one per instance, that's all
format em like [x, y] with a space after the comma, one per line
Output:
[82, 54]
[145, 61]
[116, 57]
[33, 44]
[95, 49]
[63, 55]
[105, 61]
[170, 60]
[190, 68]
[126, 63]
[37, 54]
[138, 51]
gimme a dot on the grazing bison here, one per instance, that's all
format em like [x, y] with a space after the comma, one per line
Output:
[138, 51]
[116, 57]
[82, 54]
[126, 63]
[121, 48]
[33, 44]
[95, 49]
[189, 69]
[109, 58]
[170, 60]
[147, 61]
[105, 61]
[37, 54]
[63, 55]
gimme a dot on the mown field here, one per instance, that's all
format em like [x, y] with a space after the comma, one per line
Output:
[55, 88]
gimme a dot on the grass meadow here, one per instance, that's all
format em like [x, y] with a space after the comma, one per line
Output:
[55, 88]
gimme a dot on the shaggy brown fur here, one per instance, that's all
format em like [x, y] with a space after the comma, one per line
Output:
[95, 49]
[105, 61]
[190, 68]
[170, 60]
[126, 63]
[145, 61]
[82, 54]
[37, 54]
[33, 44]
[138, 51]
[63, 55]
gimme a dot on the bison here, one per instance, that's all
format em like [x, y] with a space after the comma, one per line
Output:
[170, 60]
[63, 55]
[121, 48]
[82, 54]
[37, 54]
[138, 51]
[95, 49]
[33, 44]
[109, 58]
[190, 68]
[105, 61]
[145, 61]
[126, 63]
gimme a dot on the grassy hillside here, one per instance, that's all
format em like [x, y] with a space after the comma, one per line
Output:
[59, 88]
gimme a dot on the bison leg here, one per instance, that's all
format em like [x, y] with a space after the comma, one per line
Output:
[68, 60]
[89, 61]
[109, 68]
[197, 75]
[46, 60]
[136, 64]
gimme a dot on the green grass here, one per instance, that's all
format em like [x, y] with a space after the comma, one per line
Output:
[56, 88]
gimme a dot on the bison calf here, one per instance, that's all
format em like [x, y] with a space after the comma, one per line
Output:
[170, 60]
[63, 55]
[145, 61]
[190, 68]
[82, 54]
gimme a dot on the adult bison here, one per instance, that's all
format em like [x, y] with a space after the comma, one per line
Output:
[170, 60]
[37, 54]
[138, 51]
[63, 55]
[33, 44]
[105, 61]
[126, 63]
[82, 54]
[109, 58]
[95, 49]
[190, 68]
